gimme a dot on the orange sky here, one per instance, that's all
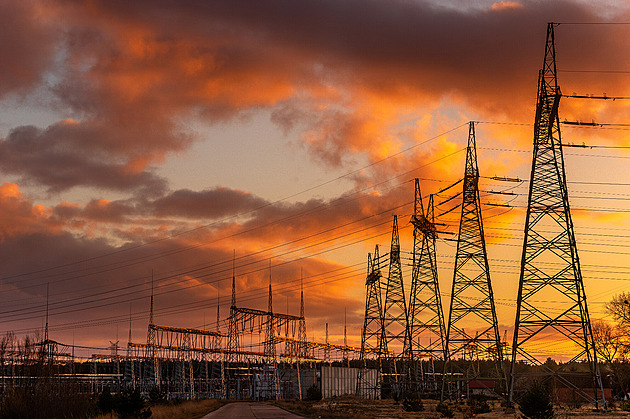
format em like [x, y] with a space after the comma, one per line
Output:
[155, 136]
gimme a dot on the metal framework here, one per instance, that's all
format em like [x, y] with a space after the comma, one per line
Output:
[472, 301]
[550, 266]
[426, 320]
[372, 331]
[395, 320]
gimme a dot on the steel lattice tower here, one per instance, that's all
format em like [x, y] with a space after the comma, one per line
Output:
[550, 267]
[472, 301]
[302, 348]
[154, 370]
[426, 319]
[232, 344]
[270, 346]
[395, 321]
[372, 332]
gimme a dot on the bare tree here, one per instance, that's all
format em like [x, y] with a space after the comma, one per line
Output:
[609, 341]
[619, 308]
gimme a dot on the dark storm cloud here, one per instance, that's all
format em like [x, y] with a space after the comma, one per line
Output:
[67, 154]
[215, 203]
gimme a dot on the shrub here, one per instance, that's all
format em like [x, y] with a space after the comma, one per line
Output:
[313, 393]
[479, 404]
[130, 404]
[157, 396]
[106, 401]
[46, 400]
[445, 410]
[535, 403]
[412, 403]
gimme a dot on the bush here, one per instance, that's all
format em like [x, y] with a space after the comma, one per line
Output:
[157, 396]
[445, 410]
[106, 401]
[479, 404]
[313, 393]
[130, 404]
[46, 400]
[412, 403]
[535, 403]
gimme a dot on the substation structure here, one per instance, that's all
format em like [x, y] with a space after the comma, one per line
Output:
[264, 355]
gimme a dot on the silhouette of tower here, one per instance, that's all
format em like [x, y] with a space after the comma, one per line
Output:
[426, 319]
[303, 349]
[395, 321]
[472, 301]
[372, 332]
[154, 366]
[270, 347]
[232, 343]
[550, 267]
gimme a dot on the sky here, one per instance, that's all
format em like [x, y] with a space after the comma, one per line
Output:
[174, 143]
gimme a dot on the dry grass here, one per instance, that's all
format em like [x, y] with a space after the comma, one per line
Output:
[189, 409]
[355, 408]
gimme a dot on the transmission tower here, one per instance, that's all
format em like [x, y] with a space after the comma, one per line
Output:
[270, 348]
[395, 321]
[232, 344]
[372, 332]
[472, 301]
[154, 367]
[550, 267]
[303, 350]
[426, 320]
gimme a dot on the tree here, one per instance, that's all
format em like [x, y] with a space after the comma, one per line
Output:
[619, 308]
[608, 340]
[535, 403]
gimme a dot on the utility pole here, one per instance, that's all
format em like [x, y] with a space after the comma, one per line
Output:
[550, 266]
[472, 301]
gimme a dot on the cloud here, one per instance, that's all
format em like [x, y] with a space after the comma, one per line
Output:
[27, 46]
[136, 82]
[208, 204]
[68, 154]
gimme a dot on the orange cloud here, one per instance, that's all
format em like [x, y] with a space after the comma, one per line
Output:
[506, 5]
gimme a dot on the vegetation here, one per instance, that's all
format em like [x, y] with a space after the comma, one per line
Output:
[444, 410]
[45, 400]
[313, 393]
[479, 404]
[412, 402]
[535, 403]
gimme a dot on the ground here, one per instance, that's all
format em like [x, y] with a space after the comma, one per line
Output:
[352, 407]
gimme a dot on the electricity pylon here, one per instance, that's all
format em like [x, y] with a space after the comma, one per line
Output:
[372, 332]
[550, 267]
[302, 349]
[154, 365]
[395, 321]
[472, 301]
[426, 319]
[270, 347]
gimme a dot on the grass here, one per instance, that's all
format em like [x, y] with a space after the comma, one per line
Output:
[192, 409]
